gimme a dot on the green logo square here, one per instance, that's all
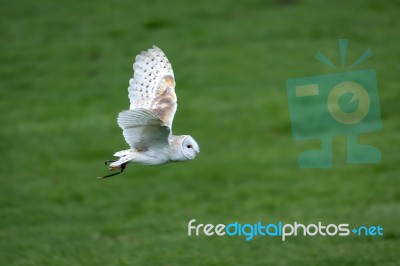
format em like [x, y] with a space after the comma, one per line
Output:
[325, 106]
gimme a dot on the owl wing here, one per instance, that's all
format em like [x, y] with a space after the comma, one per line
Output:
[153, 85]
[143, 129]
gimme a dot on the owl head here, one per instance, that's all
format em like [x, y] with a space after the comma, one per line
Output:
[184, 148]
[190, 148]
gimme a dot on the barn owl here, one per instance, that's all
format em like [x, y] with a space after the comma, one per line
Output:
[147, 126]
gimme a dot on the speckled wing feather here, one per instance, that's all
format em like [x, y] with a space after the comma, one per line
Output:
[153, 85]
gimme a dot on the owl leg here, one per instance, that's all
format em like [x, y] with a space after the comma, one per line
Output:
[118, 164]
[122, 167]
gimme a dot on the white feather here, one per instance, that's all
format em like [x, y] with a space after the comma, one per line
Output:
[150, 68]
[142, 129]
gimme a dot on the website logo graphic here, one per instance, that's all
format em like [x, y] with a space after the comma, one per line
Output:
[280, 230]
[324, 106]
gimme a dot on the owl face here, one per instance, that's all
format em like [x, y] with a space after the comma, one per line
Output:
[190, 148]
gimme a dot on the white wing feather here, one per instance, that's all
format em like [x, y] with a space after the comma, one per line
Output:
[143, 129]
[152, 98]
[153, 85]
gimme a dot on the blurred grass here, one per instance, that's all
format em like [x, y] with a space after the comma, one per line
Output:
[64, 72]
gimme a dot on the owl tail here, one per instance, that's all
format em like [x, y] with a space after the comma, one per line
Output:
[122, 153]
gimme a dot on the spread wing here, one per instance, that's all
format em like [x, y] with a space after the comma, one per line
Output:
[153, 85]
[143, 129]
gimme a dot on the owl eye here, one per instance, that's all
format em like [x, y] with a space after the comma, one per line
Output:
[189, 146]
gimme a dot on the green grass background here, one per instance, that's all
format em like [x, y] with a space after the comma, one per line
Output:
[64, 71]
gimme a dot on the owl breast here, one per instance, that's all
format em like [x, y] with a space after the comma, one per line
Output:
[152, 156]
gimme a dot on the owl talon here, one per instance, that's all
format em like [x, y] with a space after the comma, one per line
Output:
[122, 167]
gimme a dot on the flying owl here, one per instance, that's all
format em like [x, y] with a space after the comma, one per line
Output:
[147, 126]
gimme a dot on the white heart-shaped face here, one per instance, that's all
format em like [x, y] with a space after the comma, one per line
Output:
[190, 148]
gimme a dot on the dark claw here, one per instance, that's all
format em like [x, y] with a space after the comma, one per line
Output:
[123, 166]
